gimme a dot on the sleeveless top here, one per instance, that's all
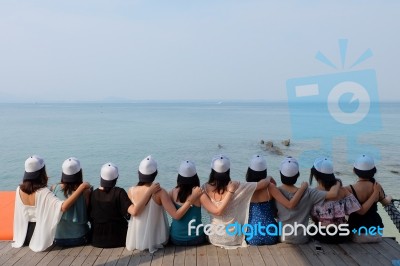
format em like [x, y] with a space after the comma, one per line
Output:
[74, 222]
[369, 219]
[179, 228]
[148, 230]
[262, 213]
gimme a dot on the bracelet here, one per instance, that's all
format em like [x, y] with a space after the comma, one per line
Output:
[190, 203]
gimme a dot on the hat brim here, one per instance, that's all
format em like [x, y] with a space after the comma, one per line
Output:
[108, 183]
[147, 178]
[32, 175]
[71, 178]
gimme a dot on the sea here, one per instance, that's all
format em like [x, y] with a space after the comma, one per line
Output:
[125, 133]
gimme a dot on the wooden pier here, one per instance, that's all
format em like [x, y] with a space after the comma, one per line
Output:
[281, 254]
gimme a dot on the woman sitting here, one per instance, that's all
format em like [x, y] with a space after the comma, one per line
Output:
[331, 212]
[365, 188]
[73, 229]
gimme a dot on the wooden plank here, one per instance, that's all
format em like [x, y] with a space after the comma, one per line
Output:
[71, 256]
[223, 258]
[267, 256]
[114, 256]
[323, 255]
[8, 253]
[245, 256]
[343, 255]
[169, 253]
[145, 258]
[212, 258]
[359, 254]
[179, 258]
[5, 246]
[82, 256]
[92, 256]
[33, 258]
[124, 258]
[393, 243]
[310, 255]
[277, 254]
[234, 257]
[49, 256]
[255, 255]
[293, 254]
[158, 257]
[57, 260]
[135, 258]
[17, 256]
[190, 255]
[370, 249]
[201, 255]
[386, 250]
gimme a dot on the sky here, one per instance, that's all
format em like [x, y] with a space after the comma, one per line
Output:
[76, 51]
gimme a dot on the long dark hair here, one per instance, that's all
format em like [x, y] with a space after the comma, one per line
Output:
[185, 186]
[70, 187]
[219, 180]
[31, 186]
[327, 180]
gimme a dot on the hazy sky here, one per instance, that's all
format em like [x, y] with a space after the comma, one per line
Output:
[165, 50]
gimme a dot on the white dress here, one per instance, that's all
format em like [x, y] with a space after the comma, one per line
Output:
[46, 213]
[237, 211]
[149, 230]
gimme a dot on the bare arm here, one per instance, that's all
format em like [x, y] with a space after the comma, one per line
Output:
[170, 207]
[277, 195]
[136, 209]
[333, 192]
[218, 210]
[263, 183]
[74, 196]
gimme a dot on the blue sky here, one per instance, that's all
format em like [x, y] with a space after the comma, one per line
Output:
[177, 50]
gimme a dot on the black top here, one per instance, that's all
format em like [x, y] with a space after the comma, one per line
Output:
[109, 214]
[369, 219]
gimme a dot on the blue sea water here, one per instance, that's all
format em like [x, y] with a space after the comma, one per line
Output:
[124, 133]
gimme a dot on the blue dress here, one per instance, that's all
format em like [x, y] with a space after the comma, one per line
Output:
[262, 213]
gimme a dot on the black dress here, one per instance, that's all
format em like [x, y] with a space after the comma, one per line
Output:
[109, 214]
[370, 219]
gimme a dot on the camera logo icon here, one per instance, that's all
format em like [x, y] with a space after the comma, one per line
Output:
[342, 104]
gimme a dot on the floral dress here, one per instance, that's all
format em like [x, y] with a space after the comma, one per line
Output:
[334, 212]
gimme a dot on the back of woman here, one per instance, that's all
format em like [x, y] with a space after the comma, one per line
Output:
[363, 189]
[187, 179]
[331, 212]
[73, 228]
[109, 210]
[262, 207]
[149, 229]
[237, 211]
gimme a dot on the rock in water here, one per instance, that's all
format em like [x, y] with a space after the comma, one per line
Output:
[286, 142]
[262, 142]
[269, 144]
